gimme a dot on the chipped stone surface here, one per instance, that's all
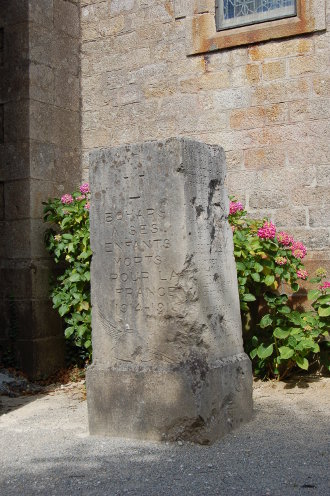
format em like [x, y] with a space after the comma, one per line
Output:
[167, 344]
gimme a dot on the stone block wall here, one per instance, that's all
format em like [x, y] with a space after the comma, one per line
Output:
[39, 158]
[267, 104]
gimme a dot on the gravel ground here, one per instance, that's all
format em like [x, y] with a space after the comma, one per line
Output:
[46, 450]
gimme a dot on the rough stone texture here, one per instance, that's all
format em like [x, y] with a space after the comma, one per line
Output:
[167, 344]
[267, 104]
[39, 158]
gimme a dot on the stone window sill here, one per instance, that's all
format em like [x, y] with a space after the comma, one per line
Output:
[203, 37]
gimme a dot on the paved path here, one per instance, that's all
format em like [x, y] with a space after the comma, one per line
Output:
[45, 450]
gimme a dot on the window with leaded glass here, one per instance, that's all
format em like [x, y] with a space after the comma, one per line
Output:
[234, 13]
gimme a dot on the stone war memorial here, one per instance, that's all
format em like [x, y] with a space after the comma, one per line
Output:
[168, 360]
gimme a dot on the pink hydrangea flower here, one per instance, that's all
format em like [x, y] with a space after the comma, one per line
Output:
[298, 249]
[325, 285]
[302, 274]
[66, 199]
[87, 206]
[281, 260]
[284, 238]
[235, 207]
[267, 231]
[84, 188]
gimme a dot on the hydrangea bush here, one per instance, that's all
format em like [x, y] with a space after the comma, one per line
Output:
[68, 241]
[278, 338]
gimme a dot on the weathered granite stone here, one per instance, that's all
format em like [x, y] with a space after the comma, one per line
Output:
[168, 356]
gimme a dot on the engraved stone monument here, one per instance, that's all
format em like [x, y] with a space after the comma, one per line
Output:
[168, 360]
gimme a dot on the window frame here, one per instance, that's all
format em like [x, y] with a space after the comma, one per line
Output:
[202, 36]
[218, 17]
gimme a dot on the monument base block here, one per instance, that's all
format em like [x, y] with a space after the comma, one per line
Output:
[190, 401]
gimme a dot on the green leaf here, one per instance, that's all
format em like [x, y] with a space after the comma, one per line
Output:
[313, 294]
[77, 317]
[65, 221]
[249, 297]
[324, 299]
[84, 305]
[255, 244]
[253, 353]
[69, 331]
[308, 318]
[285, 309]
[316, 348]
[323, 312]
[295, 287]
[81, 330]
[269, 280]
[57, 298]
[295, 317]
[281, 333]
[292, 342]
[294, 331]
[244, 306]
[305, 344]
[85, 254]
[286, 352]
[240, 266]
[258, 267]
[87, 344]
[265, 321]
[308, 344]
[264, 352]
[75, 277]
[63, 310]
[256, 276]
[302, 363]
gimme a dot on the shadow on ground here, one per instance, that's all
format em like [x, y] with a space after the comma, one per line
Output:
[283, 451]
[8, 404]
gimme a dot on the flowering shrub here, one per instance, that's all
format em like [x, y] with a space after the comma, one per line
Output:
[68, 241]
[265, 260]
[321, 297]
